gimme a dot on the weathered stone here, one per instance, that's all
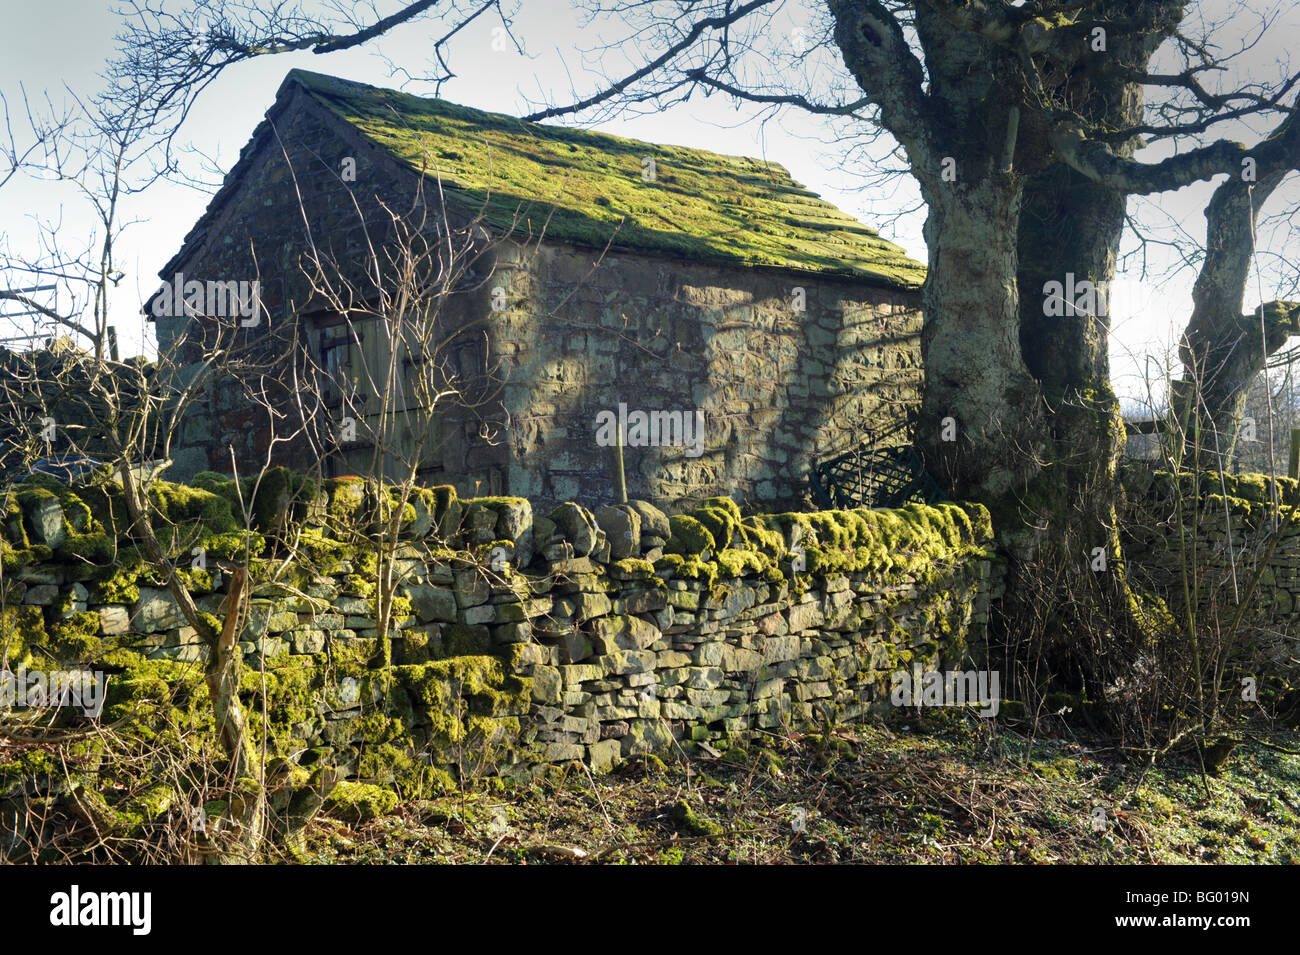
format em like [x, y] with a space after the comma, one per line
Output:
[575, 647]
[708, 697]
[515, 524]
[684, 600]
[282, 621]
[580, 672]
[739, 660]
[584, 606]
[352, 605]
[623, 632]
[805, 616]
[155, 611]
[113, 620]
[483, 613]
[548, 686]
[41, 595]
[181, 636]
[472, 588]
[705, 678]
[628, 661]
[578, 526]
[506, 633]
[46, 518]
[654, 522]
[646, 736]
[480, 523]
[622, 527]
[604, 755]
[430, 603]
[708, 654]
[780, 648]
[307, 641]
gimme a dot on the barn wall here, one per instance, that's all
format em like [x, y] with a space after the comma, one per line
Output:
[779, 388]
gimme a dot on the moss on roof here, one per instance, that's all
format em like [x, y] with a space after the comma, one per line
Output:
[701, 206]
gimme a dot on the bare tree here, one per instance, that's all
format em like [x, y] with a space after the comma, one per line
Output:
[1022, 125]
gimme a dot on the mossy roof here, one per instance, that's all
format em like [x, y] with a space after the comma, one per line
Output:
[586, 187]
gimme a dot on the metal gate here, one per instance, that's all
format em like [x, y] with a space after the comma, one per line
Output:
[877, 474]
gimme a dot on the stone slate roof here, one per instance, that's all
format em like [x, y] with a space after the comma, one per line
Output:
[586, 188]
[702, 206]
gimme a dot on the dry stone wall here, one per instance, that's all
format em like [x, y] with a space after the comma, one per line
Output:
[518, 640]
[1238, 536]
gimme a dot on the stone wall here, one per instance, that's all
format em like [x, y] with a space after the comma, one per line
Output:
[777, 388]
[518, 640]
[1239, 544]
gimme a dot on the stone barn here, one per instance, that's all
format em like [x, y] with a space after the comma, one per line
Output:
[736, 327]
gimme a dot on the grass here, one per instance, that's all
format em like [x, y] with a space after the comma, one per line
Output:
[951, 790]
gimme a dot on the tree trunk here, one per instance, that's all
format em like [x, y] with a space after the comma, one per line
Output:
[221, 672]
[979, 427]
[1223, 350]
[1076, 587]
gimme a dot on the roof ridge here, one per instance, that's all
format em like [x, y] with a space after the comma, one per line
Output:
[321, 82]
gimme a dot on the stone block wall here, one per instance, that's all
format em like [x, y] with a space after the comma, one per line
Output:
[785, 369]
[518, 640]
[1243, 545]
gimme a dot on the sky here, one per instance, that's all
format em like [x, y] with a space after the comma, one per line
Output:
[56, 49]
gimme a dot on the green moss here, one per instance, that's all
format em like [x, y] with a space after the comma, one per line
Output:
[121, 586]
[762, 539]
[76, 640]
[465, 695]
[272, 496]
[444, 496]
[688, 536]
[741, 563]
[721, 517]
[97, 546]
[183, 506]
[694, 822]
[21, 628]
[632, 568]
[360, 802]
[356, 585]
[234, 546]
[499, 503]
[701, 206]
[464, 640]
[12, 558]
[346, 497]
[209, 480]
[688, 568]
[324, 552]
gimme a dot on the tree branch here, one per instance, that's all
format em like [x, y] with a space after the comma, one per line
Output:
[877, 53]
[686, 42]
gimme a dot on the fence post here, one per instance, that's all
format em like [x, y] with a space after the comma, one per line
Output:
[616, 464]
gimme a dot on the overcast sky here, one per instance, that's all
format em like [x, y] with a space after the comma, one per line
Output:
[48, 45]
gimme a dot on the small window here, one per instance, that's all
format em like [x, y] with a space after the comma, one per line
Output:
[334, 356]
